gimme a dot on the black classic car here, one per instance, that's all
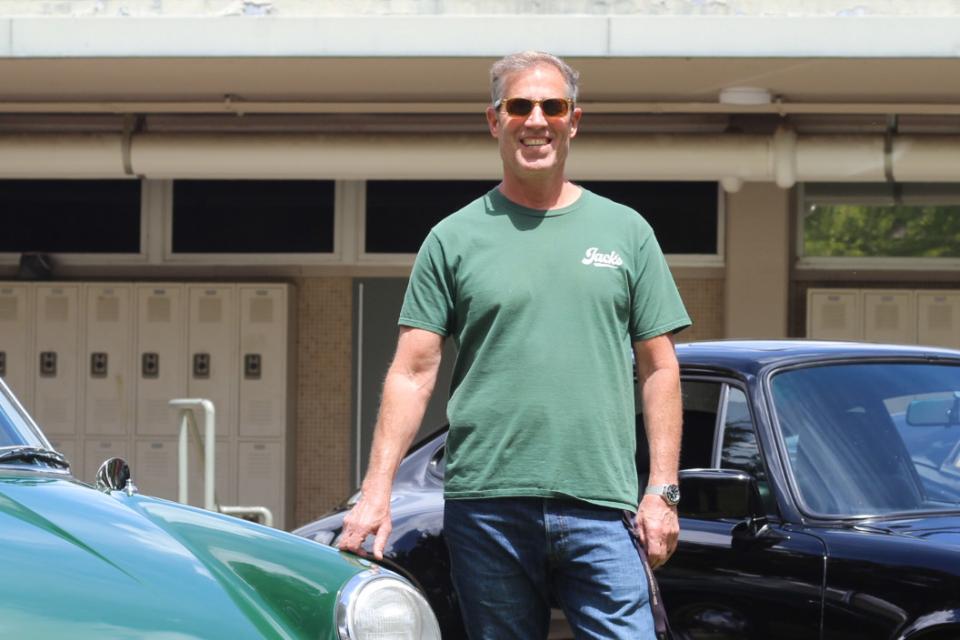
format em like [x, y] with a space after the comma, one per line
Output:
[820, 491]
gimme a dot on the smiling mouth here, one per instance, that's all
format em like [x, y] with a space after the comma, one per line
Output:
[534, 142]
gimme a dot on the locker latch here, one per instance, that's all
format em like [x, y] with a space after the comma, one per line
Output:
[251, 366]
[98, 364]
[3, 363]
[150, 365]
[48, 364]
[201, 365]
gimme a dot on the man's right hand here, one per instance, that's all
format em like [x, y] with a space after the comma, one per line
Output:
[370, 516]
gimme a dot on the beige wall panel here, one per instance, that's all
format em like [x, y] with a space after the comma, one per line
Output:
[938, 318]
[212, 337]
[263, 360]
[889, 317]
[105, 367]
[98, 450]
[225, 490]
[71, 451]
[15, 336]
[323, 447]
[56, 346]
[758, 262]
[160, 363]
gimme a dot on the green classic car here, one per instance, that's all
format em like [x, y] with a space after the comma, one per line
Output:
[106, 562]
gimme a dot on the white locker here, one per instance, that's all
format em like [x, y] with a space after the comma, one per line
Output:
[15, 351]
[834, 314]
[889, 317]
[263, 360]
[225, 488]
[154, 467]
[108, 383]
[159, 362]
[68, 447]
[212, 350]
[55, 367]
[938, 318]
[98, 450]
[260, 481]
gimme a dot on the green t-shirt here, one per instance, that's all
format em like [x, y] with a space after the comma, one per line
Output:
[543, 306]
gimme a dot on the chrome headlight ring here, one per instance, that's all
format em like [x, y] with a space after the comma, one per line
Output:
[378, 603]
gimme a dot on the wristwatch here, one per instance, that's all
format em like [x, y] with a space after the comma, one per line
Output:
[669, 492]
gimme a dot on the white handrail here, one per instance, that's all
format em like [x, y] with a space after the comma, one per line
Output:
[187, 406]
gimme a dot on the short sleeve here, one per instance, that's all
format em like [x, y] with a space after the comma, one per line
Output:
[656, 306]
[428, 302]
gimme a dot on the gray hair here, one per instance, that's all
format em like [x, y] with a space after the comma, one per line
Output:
[527, 60]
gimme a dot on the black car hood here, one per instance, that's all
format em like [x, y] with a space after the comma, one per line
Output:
[941, 530]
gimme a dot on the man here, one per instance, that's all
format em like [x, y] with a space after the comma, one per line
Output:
[543, 285]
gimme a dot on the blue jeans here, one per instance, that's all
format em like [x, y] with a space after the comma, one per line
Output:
[511, 558]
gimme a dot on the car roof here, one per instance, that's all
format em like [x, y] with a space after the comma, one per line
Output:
[749, 356]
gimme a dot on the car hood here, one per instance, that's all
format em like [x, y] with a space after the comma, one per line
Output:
[938, 530]
[82, 563]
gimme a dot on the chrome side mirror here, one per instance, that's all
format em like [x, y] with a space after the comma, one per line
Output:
[114, 475]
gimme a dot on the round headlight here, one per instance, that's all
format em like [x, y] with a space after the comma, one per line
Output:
[379, 605]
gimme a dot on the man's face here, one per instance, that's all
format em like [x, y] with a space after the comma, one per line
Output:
[534, 144]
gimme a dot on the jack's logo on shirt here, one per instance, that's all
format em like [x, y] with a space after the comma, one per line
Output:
[595, 257]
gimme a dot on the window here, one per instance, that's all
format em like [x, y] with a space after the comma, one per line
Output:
[399, 214]
[253, 216]
[843, 225]
[739, 449]
[70, 216]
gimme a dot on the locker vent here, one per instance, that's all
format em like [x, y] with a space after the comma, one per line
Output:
[158, 309]
[208, 310]
[55, 309]
[261, 310]
[8, 308]
[887, 317]
[940, 318]
[833, 315]
[108, 309]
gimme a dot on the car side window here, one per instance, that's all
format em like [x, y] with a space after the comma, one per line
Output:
[701, 401]
[740, 449]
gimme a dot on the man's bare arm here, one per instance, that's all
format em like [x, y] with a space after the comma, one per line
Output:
[659, 374]
[406, 391]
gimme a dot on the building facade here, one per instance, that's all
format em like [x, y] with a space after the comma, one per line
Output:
[239, 187]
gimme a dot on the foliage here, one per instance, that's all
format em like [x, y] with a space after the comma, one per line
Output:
[853, 230]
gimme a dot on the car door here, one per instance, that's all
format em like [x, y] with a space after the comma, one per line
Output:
[719, 587]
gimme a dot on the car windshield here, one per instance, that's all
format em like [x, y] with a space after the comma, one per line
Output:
[872, 439]
[16, 429]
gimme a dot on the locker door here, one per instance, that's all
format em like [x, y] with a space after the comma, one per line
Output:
[97, 450]
[56, 387]
[834, 314]
[889, 316]
[260, 484]
[107, 377]
[155, 467]
[159, 363]
[938, 318]
[212, 350]
[15, 352]
[263, 360]
[225, 489]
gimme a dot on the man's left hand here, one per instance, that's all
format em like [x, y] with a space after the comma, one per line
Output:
[658, 529]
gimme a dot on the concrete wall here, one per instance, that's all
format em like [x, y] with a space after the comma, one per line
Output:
[758, 262]
[144, 8]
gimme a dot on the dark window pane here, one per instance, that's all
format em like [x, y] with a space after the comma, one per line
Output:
[740, 450]
[682, 214]
[400, 213]
[253, 216]
[70, 216]
[701, 401]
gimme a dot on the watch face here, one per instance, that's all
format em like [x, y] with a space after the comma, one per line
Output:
[672, 494]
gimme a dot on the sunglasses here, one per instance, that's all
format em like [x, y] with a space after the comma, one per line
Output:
[522, 107]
